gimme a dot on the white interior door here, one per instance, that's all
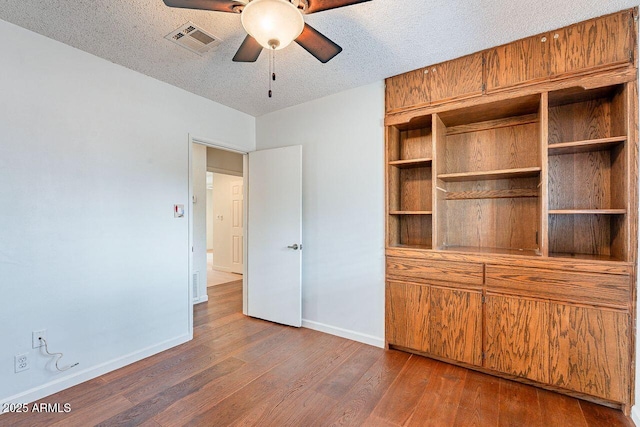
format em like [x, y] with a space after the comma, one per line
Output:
[274, 255]
[237, 230]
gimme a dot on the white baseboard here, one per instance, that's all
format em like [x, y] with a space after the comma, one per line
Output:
[203, 298]
[81, 376]
[221, 268]
[343, 333]
[635, 415]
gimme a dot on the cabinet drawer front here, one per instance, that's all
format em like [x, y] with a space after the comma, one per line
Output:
[587, 288]
[435, 271]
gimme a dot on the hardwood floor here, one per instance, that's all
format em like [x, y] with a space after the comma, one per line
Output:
[241, 371]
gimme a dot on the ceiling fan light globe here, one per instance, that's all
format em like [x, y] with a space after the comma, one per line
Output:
[272, 20]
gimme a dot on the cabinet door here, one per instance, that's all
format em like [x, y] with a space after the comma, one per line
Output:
[456, 324]
[407, 90]
[459, 78]
[519, 62]
[517, 336]
[601, 42]
[589, 351]
[408, 315]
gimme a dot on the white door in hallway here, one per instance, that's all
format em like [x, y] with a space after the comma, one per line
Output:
[237, 231]
[274, 257]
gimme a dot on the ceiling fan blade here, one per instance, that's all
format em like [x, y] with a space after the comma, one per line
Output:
[320, 5]
[249, 50]
[317, 44]
[230, 6]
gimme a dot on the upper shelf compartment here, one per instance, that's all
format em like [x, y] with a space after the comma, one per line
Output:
[500, 140]
[410, 147]
[586, 120]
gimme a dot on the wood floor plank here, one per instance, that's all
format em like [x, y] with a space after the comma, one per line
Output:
[519, 405]
[299, 374]
[439, 402]
[598, 415]
[348, 373]
[247, 372]
[362, 398]
[147, 409]
[90, 415]
[401, 399]
[187, 409]
[298, 380]
[558, 409]
[478, 401]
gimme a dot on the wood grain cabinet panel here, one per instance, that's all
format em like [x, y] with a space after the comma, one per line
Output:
[407, 90]
[586, 288]
[408, 315]
[436, 271]
[516, 336]
[589, 351]
[456, 325]
[525, 60]
[459, 78]
[601, 42]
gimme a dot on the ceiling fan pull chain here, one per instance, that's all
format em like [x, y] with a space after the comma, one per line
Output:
[273, 74]
[270, 71]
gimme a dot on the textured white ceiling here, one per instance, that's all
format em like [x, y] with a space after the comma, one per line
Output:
[380, 38]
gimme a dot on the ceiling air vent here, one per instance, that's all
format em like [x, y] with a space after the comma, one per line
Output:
[194, 38]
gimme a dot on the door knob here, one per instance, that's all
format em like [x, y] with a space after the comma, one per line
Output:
[294, 247]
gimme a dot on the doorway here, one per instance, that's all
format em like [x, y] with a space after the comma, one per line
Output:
[217, 219]
[225, 229]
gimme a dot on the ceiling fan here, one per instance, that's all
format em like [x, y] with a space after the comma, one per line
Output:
[274, 24]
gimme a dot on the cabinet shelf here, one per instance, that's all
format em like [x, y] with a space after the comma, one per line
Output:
[585, 145]
[405, 246]
[587, 211]
[588, 257]
[487, 250]
[411, 163]
[410, 212]
[492, 174]
[492, 194]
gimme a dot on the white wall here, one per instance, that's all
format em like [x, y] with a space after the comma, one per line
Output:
[92, 158]
[209, 213]
[199, 203]
[343, 207]
[222, 221]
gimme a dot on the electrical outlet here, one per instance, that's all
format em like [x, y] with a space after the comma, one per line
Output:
[21, 362]
[35, 338]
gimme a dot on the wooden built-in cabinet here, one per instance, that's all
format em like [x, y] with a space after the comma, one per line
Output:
[512, 210]
[456, 79]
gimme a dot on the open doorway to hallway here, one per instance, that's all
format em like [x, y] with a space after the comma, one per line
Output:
[224, 228]
[217, 218]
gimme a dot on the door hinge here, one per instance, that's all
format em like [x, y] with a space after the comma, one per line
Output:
[191, 248]
[484, 300]
[484, 355]
[537, 238]
[484, 87]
